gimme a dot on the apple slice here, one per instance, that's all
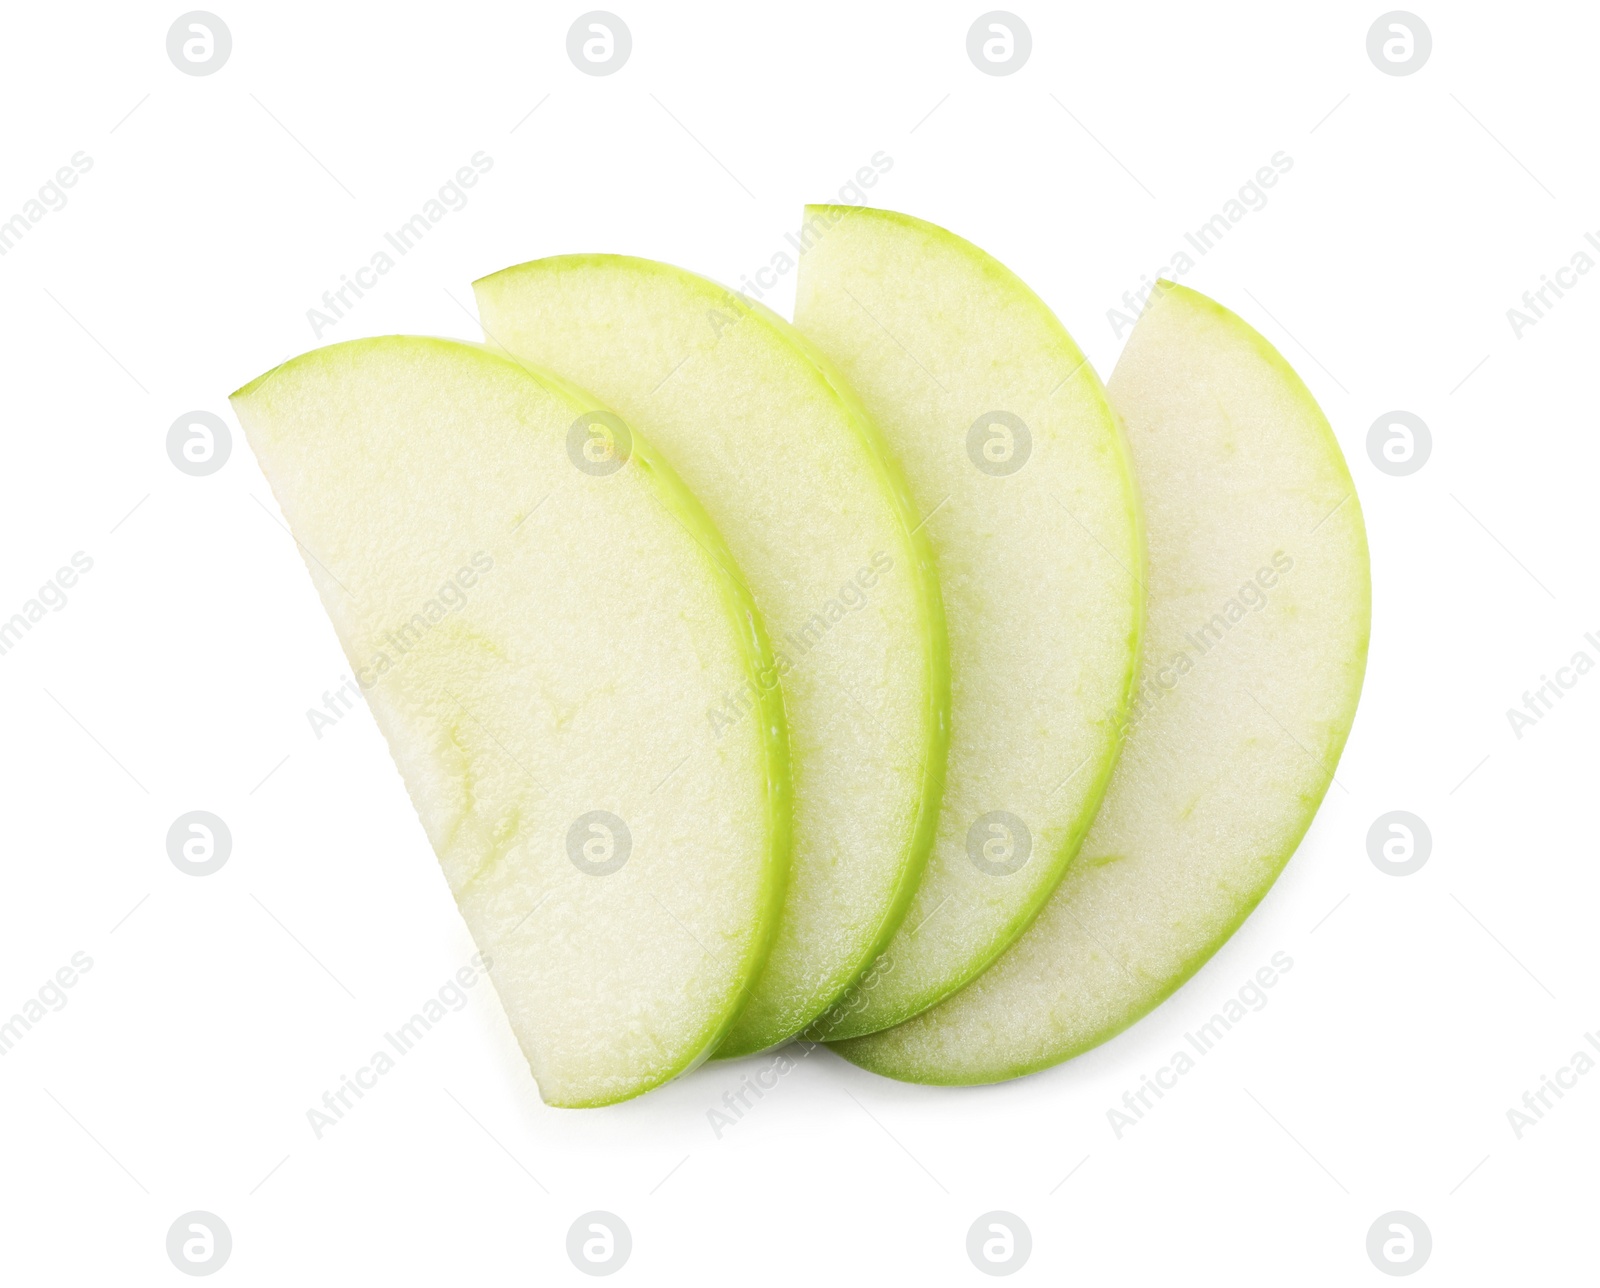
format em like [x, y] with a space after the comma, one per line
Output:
[539, 625]
[1255, 650]
[816, 512]
[1021, 470]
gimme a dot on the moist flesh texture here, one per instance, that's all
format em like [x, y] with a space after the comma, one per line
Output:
[1255, 651]
[1020, 472]
[815, 510]
[538, 645]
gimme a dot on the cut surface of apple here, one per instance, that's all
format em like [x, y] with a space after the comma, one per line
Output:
[1021, 473]
[539, 624]
[816, 513]
[1255, 651]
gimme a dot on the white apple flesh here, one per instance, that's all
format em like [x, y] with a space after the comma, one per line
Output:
[1259, 595]
[539, 626]
[1023, 477]
[816, 512]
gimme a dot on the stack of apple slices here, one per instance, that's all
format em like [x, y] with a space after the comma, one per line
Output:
[757, 682]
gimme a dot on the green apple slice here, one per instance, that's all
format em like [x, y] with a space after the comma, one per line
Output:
[817, 515]
[1255, 650]
[1020, 467]
[539, 626]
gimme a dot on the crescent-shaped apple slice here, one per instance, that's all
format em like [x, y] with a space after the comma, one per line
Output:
[796, 477]
[1023, 479]
[1259, 604]
[539, 624]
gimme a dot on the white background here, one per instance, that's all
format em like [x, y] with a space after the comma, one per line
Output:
[177, 677]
